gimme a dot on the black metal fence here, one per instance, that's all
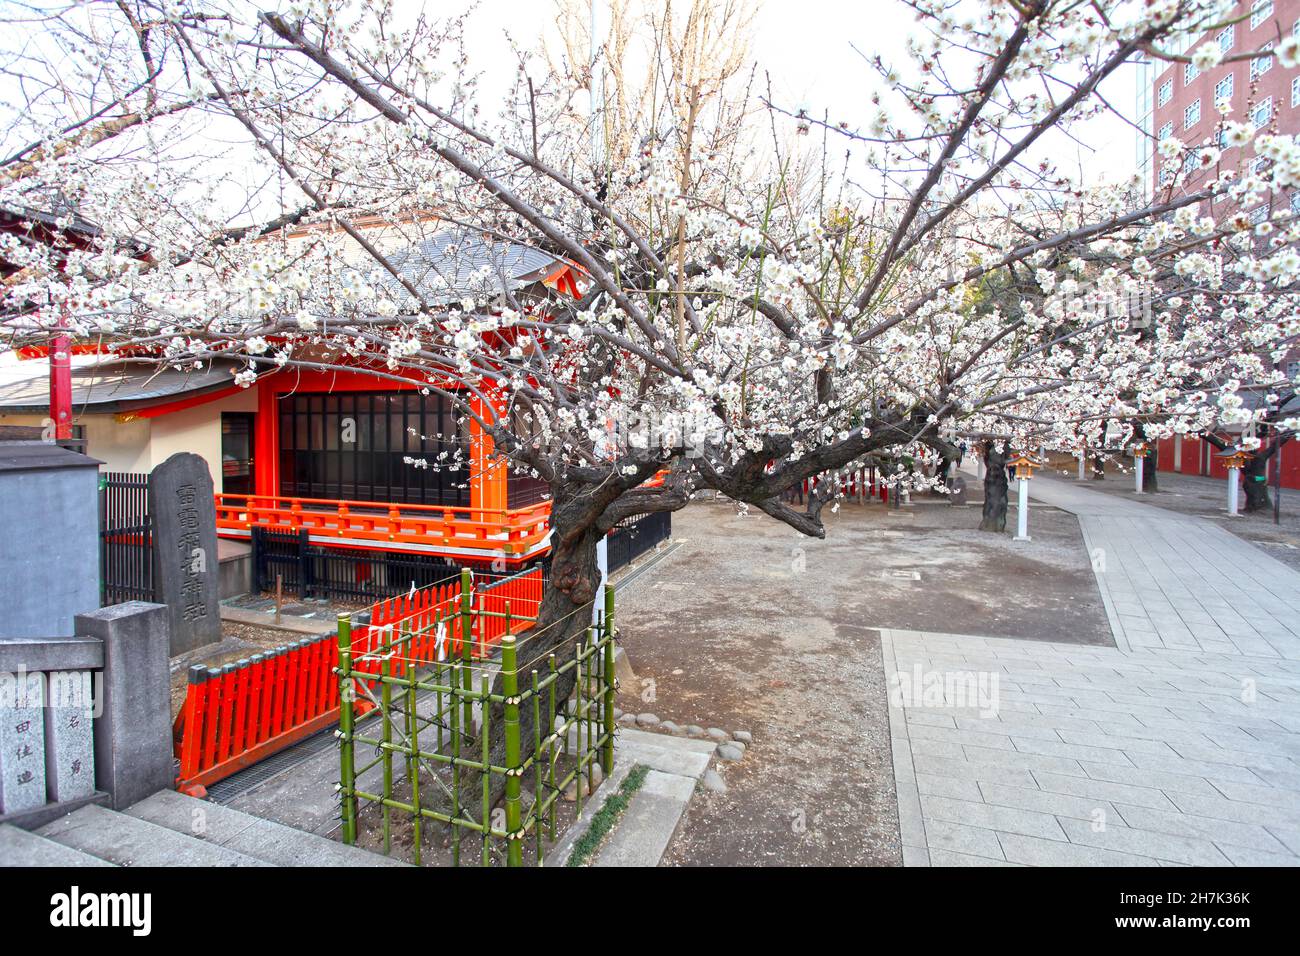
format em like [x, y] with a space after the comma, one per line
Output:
[125, 538]
[311, 570]
[633, 537]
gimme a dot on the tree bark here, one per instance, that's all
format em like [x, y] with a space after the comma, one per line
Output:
[995, 489]
[1098, 468]
[1254, 474]
[1150, 482]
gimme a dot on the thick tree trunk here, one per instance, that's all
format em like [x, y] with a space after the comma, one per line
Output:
[1254, 480]
[1098, 468]
[1150, 482]
[995, 489]
[564, 614]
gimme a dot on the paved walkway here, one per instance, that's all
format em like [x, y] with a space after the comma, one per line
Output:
[1181, 745]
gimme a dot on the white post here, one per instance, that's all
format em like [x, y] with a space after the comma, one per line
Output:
[1234, 489]
[1022, 514]
[602, 565]
[979, 469]
[1139, 462]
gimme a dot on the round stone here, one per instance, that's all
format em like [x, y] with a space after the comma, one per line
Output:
[718, 734]
[669, 727]
[646, 720]
[730, 752]
[744, 736]
[618, 712]
[738, 745]
[712, 780]
[597, 775]
[628, 720]
[695, 730]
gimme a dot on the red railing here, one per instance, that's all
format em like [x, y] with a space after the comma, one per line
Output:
[512, 533]
[239, 714]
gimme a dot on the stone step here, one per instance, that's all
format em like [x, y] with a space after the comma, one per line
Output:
[252, 836]
[19, 847]
[130, 841]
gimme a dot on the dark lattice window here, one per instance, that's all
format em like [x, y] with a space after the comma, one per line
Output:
[354, 446]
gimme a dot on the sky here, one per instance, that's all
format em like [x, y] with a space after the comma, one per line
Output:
[815, 53]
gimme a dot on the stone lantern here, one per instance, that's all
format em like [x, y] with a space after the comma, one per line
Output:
[1234, 458]
[1024, 466]
[1139, 463]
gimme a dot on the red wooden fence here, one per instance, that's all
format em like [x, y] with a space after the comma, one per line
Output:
[239, 714]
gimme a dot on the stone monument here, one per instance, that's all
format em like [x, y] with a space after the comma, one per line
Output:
[185, 550]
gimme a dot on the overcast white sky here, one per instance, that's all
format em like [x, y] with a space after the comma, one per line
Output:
[808, 49]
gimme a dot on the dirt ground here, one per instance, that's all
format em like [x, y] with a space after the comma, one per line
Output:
[237, 641]
[1208, 498]
[750, 626]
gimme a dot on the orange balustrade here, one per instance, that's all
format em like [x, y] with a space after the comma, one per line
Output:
[512, 534]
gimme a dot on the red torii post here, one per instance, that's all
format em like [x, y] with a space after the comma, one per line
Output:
[61, 383]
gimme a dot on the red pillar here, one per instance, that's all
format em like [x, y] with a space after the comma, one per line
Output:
[61, 386]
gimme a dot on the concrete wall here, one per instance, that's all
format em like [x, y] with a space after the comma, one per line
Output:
[121, 446]
[197, 430]
[49, 550]
[142, 444]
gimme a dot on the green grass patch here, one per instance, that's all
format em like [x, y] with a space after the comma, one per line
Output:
[606, 817]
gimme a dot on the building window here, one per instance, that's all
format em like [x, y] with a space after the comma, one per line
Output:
[1190, 72]
[1260, 11]
[1191, 161]
[1295, 91]
[1258, 215]
[1295, 203]
[1223, 89]
[1165, 93]
[1262, 114]
[1192, 114]
[1226, 38]
[1261, 64]
[354, 445]
[1165, 132]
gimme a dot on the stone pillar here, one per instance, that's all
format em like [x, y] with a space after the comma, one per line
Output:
[1022, 513]
[133, 733]
[1139, 463]
[1234, 490]
[69, 736]
[186, 564]
[22, 741]
[602, 565]
[1083, 460]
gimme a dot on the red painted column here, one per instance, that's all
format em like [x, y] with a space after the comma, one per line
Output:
[61, 386]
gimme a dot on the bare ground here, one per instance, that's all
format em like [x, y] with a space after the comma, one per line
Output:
[238, 641]
[750, 626]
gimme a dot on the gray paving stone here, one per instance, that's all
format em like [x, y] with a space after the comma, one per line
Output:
[1005, 819]
[1157, 846]
[956, 838]
[1034, 851]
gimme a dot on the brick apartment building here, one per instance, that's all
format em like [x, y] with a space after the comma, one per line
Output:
[1178, 100]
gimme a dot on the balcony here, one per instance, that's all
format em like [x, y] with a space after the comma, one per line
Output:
[513, 535]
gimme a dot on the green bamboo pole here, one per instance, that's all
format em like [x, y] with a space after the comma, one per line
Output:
[607, 755]
[386, 705]
[486, 710]
[413, 768]
[347, 779]
[510, 687]
[537, 768]
[577, 732]
[454, 684]
[550, 749]
[466, 651]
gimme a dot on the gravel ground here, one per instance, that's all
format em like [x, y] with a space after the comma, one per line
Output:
[750, 626]
[1208, 498]
[237, 641]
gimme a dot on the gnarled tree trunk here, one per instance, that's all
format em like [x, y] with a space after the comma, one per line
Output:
[1254, 481]
[995, 488]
